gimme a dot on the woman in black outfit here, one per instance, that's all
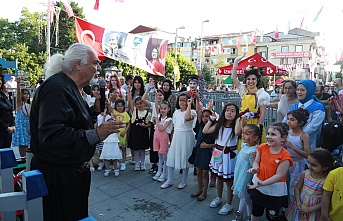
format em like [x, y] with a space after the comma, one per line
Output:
[6, 116]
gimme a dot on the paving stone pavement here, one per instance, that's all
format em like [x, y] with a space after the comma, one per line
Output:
[134, 195]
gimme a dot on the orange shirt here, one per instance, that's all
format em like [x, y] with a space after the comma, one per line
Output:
[269, 162]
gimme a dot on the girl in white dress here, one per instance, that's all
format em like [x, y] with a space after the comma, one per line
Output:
[110, 151]
[226, 132]
[183, 141]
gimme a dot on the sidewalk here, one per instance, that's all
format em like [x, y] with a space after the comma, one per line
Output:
[134, 195]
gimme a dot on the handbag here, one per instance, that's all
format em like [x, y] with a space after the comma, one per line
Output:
[218, 154]
[191, 158]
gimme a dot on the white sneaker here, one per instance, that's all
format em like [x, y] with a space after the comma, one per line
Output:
[122, 166]
[116, 172]
[107, 172]
[225, 209]
[162, 178]
[216, 202]
[101, 165]
[137, 167]
[143, 167]
[92, 169]
[157, 176]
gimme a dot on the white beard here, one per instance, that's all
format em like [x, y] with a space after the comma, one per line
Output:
[93, 81]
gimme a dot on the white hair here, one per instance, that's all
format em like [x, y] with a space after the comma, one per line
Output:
[54, 66]
[65, 63]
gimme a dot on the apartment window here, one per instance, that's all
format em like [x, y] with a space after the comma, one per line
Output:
[297, 60]
[214, 61]
[284, 49]
[298, 48]
[284, 61]
[187, 54]
[211, 70]
[234, 51]
[207, 61]
[245, 49]
[263, 54]
[226, 60]
[195, 54]
[227, 51]
[187, 44]
[216, 51]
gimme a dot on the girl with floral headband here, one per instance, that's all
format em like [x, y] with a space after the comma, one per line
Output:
[254, 98]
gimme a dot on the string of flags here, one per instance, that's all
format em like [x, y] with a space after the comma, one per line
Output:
[97, 3]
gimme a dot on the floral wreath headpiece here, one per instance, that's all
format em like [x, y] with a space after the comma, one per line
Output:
[207, 107]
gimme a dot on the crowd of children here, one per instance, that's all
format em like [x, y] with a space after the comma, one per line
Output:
[281, 176]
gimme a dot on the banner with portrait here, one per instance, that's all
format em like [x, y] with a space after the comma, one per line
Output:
[140, 51]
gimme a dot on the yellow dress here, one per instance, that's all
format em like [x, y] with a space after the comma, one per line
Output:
[250, 103]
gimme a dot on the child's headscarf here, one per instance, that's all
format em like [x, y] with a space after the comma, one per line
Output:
[311, 90]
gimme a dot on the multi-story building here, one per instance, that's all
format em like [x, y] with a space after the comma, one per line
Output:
[225, 48]
[296, 52]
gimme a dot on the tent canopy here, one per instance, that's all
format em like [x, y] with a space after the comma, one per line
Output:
[277, 82]
[255, 60]
[228, 80]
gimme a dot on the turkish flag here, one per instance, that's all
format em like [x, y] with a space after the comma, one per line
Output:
[254, 38]
[238, 43]
[91, 35]
[276, 33]
[96, 5]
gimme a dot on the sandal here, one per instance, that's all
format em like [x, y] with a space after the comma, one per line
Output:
[194, 195]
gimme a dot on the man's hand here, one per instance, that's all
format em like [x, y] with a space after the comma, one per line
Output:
[109, 127]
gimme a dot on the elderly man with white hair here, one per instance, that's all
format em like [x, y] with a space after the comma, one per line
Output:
[63, 137]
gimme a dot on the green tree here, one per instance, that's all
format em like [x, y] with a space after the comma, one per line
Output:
[220, 64]
[66, 27]
[29, 64]
[7, 34]
[207, 75]
[30, 30]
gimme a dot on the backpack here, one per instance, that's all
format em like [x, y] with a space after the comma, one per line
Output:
[332, 135]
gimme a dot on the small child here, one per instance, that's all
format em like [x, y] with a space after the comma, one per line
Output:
[110, 151]
[183, 140]
[204, 145]
[309, 189]
[139, 132]
[224, 156]
[164, 127]
[122, 115]
[332, 206]
[298, 145]
[269, 188]
[251, 136]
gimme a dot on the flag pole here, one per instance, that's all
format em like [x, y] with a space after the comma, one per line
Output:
[48, 33]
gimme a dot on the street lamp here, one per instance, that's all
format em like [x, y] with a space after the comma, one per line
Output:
[175, 67]
[202, 28]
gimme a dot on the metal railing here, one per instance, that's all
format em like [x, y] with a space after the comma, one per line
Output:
[219, 99]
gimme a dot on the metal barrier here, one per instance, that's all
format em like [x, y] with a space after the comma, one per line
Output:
[219, 99]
